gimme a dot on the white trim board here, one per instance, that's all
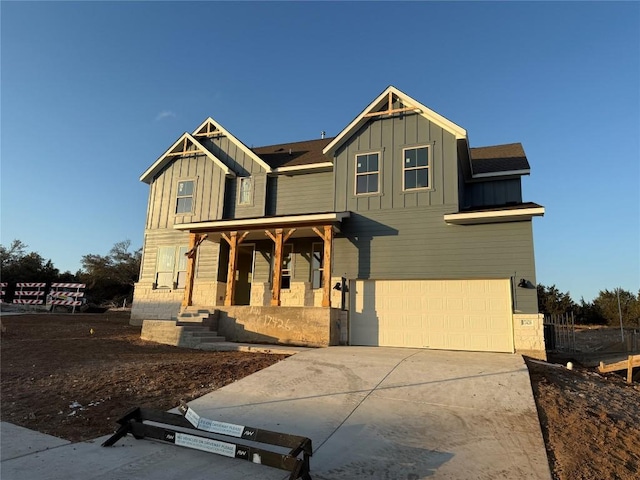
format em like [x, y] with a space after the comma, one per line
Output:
[494, 216]
[265, 222]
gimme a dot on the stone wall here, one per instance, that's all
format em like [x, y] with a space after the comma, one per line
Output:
[528, 335]
[154, 304]
[303, 326]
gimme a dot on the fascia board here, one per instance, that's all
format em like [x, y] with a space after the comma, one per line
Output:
[506, 173]
[302, 168]
[495, 216]
[264, 222]
[158, 164]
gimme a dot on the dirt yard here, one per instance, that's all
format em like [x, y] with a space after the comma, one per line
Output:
[72, 376]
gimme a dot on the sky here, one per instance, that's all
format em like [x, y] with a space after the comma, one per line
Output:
[92, 93]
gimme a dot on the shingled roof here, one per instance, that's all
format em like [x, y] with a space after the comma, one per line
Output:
[294, 154]
[499, 158]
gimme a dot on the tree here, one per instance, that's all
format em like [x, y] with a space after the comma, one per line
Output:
[111, 277]
[19, 266]
[606, 305]
[552, 301]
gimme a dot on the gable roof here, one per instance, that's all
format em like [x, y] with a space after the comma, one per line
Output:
[381, 100]
[294, 154]
[497, 160]
[205, 130]
[182, 143]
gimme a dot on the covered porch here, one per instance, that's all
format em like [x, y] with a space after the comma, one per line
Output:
[269, 261]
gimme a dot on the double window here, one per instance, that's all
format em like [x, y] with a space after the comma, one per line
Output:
[184, 197]
[171, 267]
[416, 168]
[367, 173]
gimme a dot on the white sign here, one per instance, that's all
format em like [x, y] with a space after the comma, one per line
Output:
[220, 427]
[206, 444]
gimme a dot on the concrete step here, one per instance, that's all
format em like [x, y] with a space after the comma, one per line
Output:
[202, 335]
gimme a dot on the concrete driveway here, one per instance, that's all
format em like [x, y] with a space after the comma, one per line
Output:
[386, 413]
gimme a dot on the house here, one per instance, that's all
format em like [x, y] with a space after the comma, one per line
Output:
[395, 232]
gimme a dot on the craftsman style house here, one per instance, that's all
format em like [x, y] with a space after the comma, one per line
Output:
[395, 232]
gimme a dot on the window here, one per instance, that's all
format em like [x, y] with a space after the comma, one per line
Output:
[317, 263]
[244, 194]
[287, 266]
[416, 168]
[184, 202]
[171, 267]
[367, 173]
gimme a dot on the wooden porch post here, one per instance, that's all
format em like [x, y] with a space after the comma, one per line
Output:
[191, 262]
[276, 285]
[327, 237]
[233, 240]
[326, 267]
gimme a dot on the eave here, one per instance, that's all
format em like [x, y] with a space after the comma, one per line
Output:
[264, 222]
[494, 216]
[158, 165]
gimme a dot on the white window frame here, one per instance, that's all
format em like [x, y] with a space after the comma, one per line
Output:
[178, 196]
[249, 200]
[377, 172]
[178, 269]
[427, 167]
[320, 269]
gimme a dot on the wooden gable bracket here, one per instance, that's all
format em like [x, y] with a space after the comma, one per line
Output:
[206, 131]
[390, 110]
[195, 240]
[233, 240]
[327, 237]
[276, 284]
[184, 150]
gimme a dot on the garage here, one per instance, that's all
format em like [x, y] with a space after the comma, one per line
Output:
[474, 315]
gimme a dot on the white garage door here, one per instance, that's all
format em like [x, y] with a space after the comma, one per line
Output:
[441, 314]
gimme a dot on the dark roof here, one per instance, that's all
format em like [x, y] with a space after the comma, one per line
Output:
[499, 158]
[294, 154]
[508, 206]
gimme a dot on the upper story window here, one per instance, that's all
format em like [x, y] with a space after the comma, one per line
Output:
[184, 201]
[416, 168]
[244, 193]
[367, 173]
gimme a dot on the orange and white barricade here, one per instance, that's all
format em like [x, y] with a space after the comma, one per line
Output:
[68, 294]
[29, 293]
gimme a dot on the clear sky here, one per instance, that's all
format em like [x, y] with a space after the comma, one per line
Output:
[93, 93]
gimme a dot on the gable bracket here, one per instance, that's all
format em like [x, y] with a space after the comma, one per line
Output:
[391, 111]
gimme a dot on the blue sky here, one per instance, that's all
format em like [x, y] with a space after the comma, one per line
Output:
[93, 93]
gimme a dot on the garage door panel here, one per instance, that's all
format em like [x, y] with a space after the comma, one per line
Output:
[446, 314]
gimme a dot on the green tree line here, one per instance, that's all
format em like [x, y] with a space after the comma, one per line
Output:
[109, 278]
[603, 310]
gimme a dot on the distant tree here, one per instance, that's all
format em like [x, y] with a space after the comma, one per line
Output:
[554, 302]
[606, 305]
[19, 266]
[588, 314]
[110, 278]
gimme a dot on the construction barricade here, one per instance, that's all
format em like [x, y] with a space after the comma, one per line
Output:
[29, 293]
[67, 294]
[3, 292]
[193, 431]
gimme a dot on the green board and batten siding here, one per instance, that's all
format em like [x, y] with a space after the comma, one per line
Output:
[402, 235]
[234, 157]
[256, 208]
[389, 137]
[208, 195]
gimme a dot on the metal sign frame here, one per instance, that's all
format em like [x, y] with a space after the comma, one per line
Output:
[197, 432]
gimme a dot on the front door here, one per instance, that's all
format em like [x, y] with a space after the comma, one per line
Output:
[244, 275]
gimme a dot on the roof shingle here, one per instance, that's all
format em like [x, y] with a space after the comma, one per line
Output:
[499, 158]
[294, 154]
